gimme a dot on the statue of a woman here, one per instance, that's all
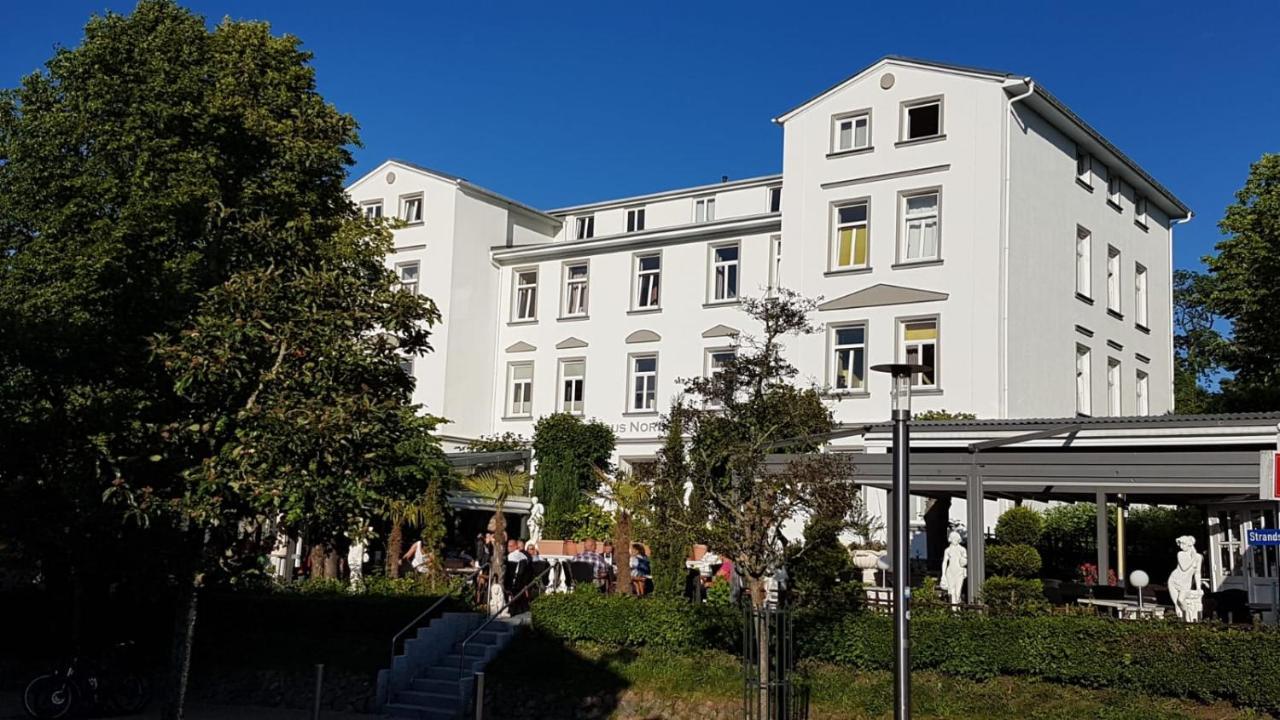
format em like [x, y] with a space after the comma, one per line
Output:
[536, 514]
[955, 563]
[1184, 581]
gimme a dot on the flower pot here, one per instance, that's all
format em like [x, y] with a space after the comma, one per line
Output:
[698, 552]
[552, 547]
[867, 561]
[570, 547]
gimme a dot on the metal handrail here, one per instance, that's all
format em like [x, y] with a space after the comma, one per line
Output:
[414, 622]
[462, 659]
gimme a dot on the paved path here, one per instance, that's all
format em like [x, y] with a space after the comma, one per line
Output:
[11, 708]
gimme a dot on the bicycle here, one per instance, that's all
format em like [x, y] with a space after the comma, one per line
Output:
[113, 685]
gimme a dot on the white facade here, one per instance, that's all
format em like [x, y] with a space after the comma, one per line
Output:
[937, 211]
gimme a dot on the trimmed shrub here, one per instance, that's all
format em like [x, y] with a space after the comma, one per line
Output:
[569, 451]
[1019, 526]
[1014, 596]
[1019, 561]
[629, 621]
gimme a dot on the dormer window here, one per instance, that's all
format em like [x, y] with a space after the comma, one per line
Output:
[635, 219]
[585, 227]
[704, 209]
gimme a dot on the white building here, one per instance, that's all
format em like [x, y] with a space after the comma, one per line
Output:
[958, 217]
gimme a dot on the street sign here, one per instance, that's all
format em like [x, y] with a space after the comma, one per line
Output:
[1265, 536]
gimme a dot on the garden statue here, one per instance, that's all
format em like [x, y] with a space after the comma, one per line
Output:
[536, 514]
[1184, 581]
[955, 564]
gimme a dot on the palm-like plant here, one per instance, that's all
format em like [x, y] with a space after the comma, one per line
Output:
[628, 497]
[497, 485]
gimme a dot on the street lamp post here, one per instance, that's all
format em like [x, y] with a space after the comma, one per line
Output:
[901, 374]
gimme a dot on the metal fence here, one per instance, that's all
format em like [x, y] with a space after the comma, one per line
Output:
[771, 688]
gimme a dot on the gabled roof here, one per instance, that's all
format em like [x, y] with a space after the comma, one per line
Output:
[1042, 101]
[462, 183]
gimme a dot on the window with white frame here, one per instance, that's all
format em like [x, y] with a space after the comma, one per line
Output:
[920, 224]
[372, 209]
[526, 294]
[648, 281]
[851, 132]
[920, 347]
[1084, 167]
[407, 274]
[411, 208]
[1084, 275]
[520, 389]
[849, 358]
[584, 227]
[1140, 211]
[724, 272]
[1113, 187]
[1113, 387]
[922, 119]
[704, 209]
[850, 241]
[1113, 279]
[775, 262]
[716, 359]
[644, 383]
[1084, 401]
[635, 219]
[573, 385]
[775, 199]
[1140, 294]
[1140, 390]
[406, 366]
[576, 277]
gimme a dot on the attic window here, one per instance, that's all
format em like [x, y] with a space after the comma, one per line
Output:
[923, 120]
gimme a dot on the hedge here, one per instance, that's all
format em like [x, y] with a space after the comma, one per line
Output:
[629, 621]
[1203, 661]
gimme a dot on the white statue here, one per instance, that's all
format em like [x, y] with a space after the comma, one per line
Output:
[536, 514]
[1184, 581]
[356, 555]
[955, 563]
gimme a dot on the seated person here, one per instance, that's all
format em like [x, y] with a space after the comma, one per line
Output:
[640, 569]
[589, 555]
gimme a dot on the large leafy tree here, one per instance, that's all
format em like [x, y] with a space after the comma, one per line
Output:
[570, 454]
[196, 325]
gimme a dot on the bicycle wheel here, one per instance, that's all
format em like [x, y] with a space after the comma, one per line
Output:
[128, 695]
[49, 696]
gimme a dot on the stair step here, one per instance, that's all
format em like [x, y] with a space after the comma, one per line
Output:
[447, 672]
[473, 649]
[430, 700]
[440, 687]
[454, 660]
[421, 713]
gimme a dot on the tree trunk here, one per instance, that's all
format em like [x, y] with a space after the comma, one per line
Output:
[498, 563]
[316, 564]
[184, 629]
[622, 553]
[332, 565]
[395, 549]
[758, 596]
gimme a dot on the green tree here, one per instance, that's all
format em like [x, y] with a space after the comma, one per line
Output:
[1197, 344]
[198, 325]
[670, 518]
[569, 453]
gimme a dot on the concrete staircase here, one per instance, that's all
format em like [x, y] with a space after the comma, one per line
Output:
[424, 682]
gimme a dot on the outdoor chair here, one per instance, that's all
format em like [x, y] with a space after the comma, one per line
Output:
[581, 571]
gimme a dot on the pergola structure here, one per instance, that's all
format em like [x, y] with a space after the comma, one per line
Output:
[1226, 462]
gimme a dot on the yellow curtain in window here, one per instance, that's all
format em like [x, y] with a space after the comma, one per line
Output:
[852, 247]
[922, 331]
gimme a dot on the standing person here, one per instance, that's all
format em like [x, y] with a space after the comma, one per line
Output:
[531, 549]
[516, 576]
[418, 559]
[608, 553]
[641, 573]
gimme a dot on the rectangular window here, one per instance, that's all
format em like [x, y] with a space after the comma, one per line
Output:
[576, 277]
[520, 389]
[1084, 167]
[411, 209]
[704, 209]
[1113, 188]
[585, 227]
[1113, 279]
[644, 383]
[526, 294]
[775, 262]
[1140, 294]
[920, 227]
[775, 199]
[372, 210]
[851, 132]
[1140, 211]
[407, 274]
[923, 120]
[920, 347]
[648, 281]
[1113, 387]
[849, 244]
[724, 272]
[716, 358]
[1140, 394]
[573, 383]
[1084, 403]
[849, 358]
[1084, 280]
[406, 366]
[635, 219]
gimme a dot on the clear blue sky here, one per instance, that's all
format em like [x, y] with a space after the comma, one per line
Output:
[562, 102]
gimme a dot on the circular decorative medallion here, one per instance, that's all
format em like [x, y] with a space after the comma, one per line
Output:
[886, 81]
[391, 178]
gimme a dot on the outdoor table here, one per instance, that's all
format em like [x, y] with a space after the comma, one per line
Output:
[1126, 609]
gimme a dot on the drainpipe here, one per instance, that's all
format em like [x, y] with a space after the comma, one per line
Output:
[1003, 328]
[1172, 394]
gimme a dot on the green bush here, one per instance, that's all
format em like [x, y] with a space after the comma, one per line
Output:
[569, 452]
[1019, 561]
[1010, 596]
[628, 621]
[1019, 526]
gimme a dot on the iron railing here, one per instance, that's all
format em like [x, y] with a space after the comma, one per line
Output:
[462, 649]
[413, 624]
[771, 689]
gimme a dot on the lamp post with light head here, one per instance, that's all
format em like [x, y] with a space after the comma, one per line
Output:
[901, 374]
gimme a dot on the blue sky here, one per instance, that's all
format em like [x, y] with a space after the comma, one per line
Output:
[556, 103]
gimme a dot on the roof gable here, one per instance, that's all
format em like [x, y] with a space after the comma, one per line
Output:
[882, 294]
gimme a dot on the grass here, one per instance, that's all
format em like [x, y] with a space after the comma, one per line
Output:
[566, 674]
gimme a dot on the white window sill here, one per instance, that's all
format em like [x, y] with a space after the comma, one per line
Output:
[921, 140]
[565, 318]
[851, 151]
[525, 321]
[924, 262]
[722, 303]
[847, 271]
[514, 418]
[644, 311]
[641, 413]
